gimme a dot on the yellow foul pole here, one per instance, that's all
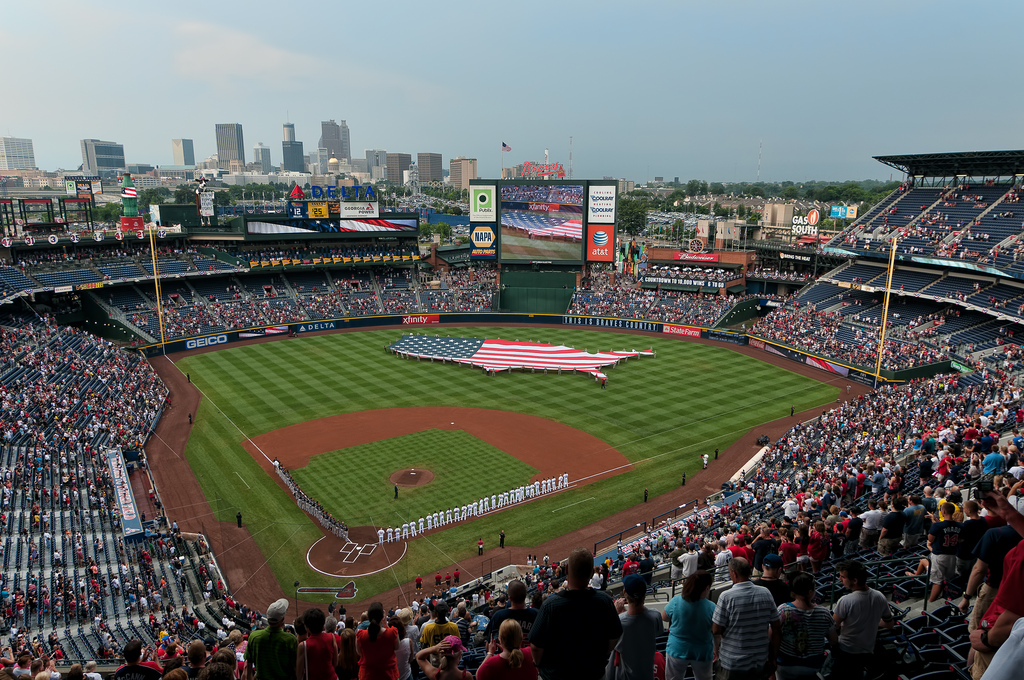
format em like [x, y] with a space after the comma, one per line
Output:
[885, 309]
[156, 285]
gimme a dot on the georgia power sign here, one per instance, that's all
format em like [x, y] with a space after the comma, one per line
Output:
[601, 205]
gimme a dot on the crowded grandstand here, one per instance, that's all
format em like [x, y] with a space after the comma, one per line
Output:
[936, 445]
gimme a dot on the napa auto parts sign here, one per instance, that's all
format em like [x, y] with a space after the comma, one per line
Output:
[601, 205]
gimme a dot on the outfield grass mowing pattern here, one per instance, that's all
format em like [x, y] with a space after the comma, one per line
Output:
[661, 413]
[353, 482]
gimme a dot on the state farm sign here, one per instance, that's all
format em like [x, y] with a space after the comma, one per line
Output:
[688, 331]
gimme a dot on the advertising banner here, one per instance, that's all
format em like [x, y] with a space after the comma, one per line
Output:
[260, 332]
[316, 326]
[484, 240]
[723, 336]
[600, 242]
[688, 331]
[683, 256]
[482, 205]
[317, 211]
[827, 366]
[296, 211]
[132, 224]
[843, 212]
[131, 522]
[603, 322]
[354, 209]
[673, 281]
[206, 204]
[601, 205]
[416, 319]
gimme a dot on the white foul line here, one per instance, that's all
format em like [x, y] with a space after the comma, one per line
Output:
[572, 504]
[243, 481]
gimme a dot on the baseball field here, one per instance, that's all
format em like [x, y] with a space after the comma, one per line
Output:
[657, 416]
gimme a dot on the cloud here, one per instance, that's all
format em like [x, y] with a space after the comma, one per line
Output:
[225, 57]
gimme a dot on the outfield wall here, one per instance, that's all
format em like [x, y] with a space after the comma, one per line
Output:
[421, 322]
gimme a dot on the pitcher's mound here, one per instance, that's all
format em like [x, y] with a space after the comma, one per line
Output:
[412, 477]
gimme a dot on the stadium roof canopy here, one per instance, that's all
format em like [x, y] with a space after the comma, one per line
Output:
[967, 163]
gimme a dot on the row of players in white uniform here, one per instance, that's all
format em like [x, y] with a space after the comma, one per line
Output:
[476, 508]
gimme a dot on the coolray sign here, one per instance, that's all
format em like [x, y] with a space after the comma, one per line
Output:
[317, 326]
[196, 343]
[420, 318]
[611, 323]
[482, 205]
[600, 243]
[688, 331]
[695, 257]
[807, 226]
[601, 205]
[484, 241]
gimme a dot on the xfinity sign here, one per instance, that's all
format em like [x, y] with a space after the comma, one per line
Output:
[206, 342]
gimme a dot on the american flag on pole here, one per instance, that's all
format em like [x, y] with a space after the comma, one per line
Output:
[505, 355]
[505, 147]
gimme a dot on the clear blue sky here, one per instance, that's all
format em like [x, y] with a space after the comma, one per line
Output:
[645, 89]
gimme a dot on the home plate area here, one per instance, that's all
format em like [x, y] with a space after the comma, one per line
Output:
[361, 555]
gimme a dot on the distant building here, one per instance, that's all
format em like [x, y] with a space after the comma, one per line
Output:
[430, 168]
[397, 164]
[291, 151]
[16, 154]
[462, 170]
[335, 138]
[139, 169]
[183, 152]
[105, 159]
[261, 157]
[230, 145]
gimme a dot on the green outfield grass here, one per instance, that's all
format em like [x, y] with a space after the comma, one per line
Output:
[660, 412]
[353, 482]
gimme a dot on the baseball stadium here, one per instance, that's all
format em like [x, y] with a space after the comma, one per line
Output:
[207, 413]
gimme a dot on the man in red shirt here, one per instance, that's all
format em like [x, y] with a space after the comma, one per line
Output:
[133, 668]
[631, 565]
[419, 582]
[456, 577]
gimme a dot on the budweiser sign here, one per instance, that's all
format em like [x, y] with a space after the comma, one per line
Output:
[688, 331]
[420, 318]
[695, 257]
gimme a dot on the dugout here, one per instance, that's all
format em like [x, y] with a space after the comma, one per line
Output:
[536, 291]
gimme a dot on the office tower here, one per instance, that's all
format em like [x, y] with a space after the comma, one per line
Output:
[430, 167]
[335, 138]
[230, 146]
[183, 152]
[16, 154]
[105, 159]
[261, 156]
[376, 158]
[397, 164]
[462, 170]
[291, 151]
[346, 144]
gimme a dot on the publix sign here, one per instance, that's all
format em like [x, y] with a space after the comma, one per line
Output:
[807, 226]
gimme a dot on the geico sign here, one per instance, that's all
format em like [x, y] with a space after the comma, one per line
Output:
[206, 342]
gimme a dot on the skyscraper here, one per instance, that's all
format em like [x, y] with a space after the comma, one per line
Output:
[397, 164]
[291, 151]
[462, 170]
[261, 155]
[335, 138]
[430, 167]
[16, 154]
[183, 152]
[105, 159]
[230, 145]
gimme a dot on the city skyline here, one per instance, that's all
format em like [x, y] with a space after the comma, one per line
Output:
[795, 89]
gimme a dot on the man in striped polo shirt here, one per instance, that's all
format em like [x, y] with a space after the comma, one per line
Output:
[746, 627]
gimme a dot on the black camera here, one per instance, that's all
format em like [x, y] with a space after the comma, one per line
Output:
[986, 483]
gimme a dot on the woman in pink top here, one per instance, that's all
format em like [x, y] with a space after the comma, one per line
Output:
[514, 662]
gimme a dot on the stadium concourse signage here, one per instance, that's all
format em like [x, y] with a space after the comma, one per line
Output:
[484, 240]
[683, 256]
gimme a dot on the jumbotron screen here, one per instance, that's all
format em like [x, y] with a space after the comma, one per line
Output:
[541, 222]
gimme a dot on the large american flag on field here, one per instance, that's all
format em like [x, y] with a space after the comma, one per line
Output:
[505, 355]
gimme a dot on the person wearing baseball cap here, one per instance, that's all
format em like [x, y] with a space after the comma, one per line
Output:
[640, 627]
[771, 568]
[270, 652]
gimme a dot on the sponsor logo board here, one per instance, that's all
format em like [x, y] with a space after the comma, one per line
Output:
[482, 206]
[359, 209]
[484, 241]
[695, 257]
[420, 319]
[688, 331]
[317, 326]
[600, 243]
[196, 343]
[601, 205]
